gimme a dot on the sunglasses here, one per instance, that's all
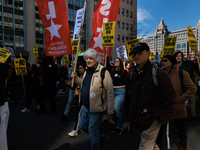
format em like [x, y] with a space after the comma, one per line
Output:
[165, 60]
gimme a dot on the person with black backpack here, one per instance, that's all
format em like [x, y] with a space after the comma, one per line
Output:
[182, 93]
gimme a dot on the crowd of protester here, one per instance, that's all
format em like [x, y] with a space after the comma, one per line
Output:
[148, 94]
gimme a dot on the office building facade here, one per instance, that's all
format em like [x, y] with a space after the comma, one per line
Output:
[156, 42]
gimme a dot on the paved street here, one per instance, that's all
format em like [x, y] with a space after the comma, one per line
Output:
[27, 131]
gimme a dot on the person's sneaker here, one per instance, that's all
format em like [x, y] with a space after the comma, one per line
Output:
[103, 144]
[25, 110]
[64, 117]
[113, 130]
[119, 131]
[181, 147]
[73, 133]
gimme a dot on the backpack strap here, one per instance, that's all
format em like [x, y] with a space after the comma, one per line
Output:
[154, 74]
[181, 78]
[103, 70]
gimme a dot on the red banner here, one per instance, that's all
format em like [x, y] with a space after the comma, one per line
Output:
[53, 14]
[106, 11]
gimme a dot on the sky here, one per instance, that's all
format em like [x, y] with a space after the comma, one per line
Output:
[176, 14]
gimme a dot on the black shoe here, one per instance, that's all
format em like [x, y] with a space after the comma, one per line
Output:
[64, 117]
[113, 130]
[191, 118]
[119, 131]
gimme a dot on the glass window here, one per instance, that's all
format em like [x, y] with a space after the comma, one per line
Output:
[131, 14]
[131, 2]
[127, 26]
[118, 38]
[118, 24]
[123, 11]
[127, 38]
[127, 1]
[178, 45]
[119, 11]
[127, 13]
[131, 27]
[70, 2]
[183, 45]
[123, 38]
[122, 25]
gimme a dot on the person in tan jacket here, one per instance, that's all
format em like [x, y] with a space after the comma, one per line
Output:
[95, 98]
[183, 94]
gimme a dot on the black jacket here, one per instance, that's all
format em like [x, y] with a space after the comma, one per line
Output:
[142, 103]
[3, 75]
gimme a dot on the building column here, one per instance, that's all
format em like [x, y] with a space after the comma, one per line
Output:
[66, 2]
[89, 18]
[30, 34]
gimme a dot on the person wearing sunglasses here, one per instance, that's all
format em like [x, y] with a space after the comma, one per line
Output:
[147, 105]
[182, 93]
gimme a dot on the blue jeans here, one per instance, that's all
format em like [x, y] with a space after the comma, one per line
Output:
[90, 123]
[119, 94]
[69, 103]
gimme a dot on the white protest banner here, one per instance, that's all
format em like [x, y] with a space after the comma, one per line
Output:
[121, 52]
[79, 22]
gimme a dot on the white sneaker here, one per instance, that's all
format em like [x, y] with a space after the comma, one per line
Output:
[73, 133]
[25, 110]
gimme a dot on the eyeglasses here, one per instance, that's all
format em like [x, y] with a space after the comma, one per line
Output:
[165, 60]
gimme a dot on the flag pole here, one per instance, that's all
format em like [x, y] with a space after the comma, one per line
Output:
[106, 57]
[79, 40]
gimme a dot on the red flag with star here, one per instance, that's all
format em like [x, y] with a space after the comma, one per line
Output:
[53, 14]
[106, 11]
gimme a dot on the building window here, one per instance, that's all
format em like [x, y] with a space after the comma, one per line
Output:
[127, 38]
[118, 38]
[131, 14]
[123, 11]
[131, 2]
[118, 24]
[123, 38]
[131, 27]
[119, 11]
[82, 3]
[70, 1]
[127, 1]
[122, 25]
[70, 14]
[123, 0]
[127, 26]
[127, 13]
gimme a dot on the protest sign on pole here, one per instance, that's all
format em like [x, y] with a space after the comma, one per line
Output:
[20, 66]
[151, 57]
[35, 53]
[169, 46]
[12, 56]
[122, 53]
[106, 11]
[55, 22]
[108, 34]
[81, 49]
[65, 60]
[130, 46]
[4, 54]
[79, 22]
[191, 39]
[74, 46]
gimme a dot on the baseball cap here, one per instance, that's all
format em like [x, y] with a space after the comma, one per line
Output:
[139, 47]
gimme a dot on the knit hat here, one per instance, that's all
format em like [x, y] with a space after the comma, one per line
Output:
[170, 58]
[120, 59]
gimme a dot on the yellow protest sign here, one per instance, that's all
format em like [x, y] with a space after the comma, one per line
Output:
[4, 54]
[20, 66]
[192, 40]
[169, 45]
[74, 46]
[65, 59]
[81, 49]
[151, 57]
[35, 51]
[130, 45]
[108, 34]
